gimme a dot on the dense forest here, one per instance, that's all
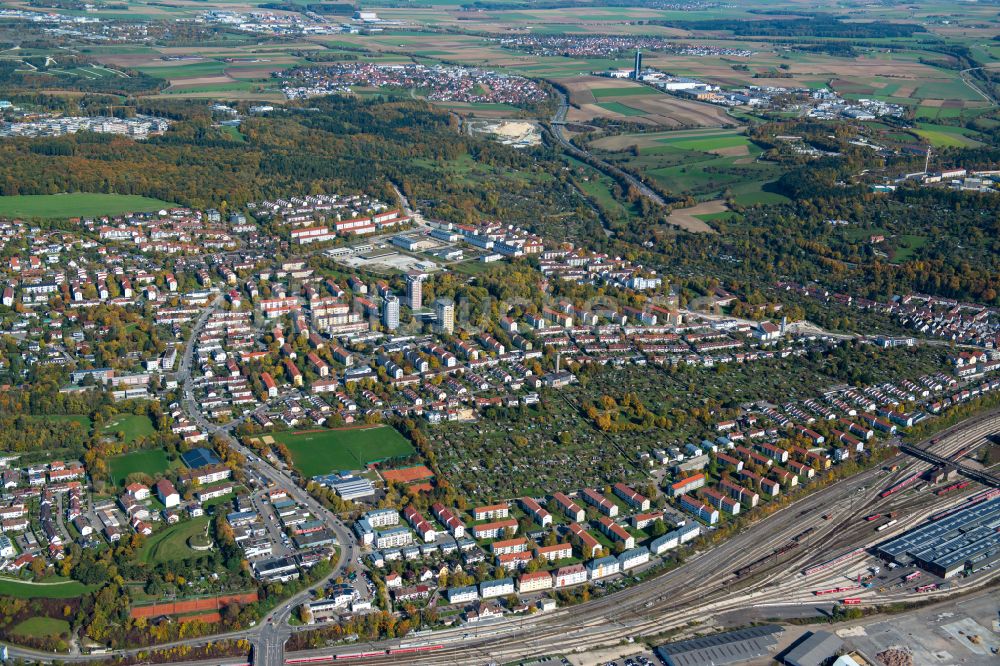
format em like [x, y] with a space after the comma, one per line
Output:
[339, 144]
[939, 242]
[936, 242]
[818, 25]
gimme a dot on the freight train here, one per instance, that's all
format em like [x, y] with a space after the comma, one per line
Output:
[954, 486]
[792, 544]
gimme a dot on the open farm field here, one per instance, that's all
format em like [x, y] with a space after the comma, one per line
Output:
[693, 219]
[597, 97]
[622, 109]
[707, 164]
[946, 136]
[656, 139]
[718, 141]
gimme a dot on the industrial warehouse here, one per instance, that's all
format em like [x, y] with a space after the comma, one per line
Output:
[730, 647]
[964, 541]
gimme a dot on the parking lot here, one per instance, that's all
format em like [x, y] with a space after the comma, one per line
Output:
[967, 633]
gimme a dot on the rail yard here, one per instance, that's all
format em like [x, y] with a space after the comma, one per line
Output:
[760, 568]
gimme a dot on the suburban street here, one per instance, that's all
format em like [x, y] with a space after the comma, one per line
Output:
[270, 638]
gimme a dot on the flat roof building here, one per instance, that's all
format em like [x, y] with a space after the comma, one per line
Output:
[200, 457]
[967, 539]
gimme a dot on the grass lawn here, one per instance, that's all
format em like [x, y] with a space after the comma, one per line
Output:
[724, 215]
[82, 420]
[749, 194]
[42, 627]
[170, 544]
[906, 246]
[150, 462]
[600, 189]
[76, 204]
[471, 267]
[234, 133]
[133, 425]
[58, 589]
[328, 451]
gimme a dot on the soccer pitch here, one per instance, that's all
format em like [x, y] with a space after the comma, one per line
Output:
[317, 452]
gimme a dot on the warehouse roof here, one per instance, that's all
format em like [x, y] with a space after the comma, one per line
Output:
[719, 649]
[814, 650]
[948, 543]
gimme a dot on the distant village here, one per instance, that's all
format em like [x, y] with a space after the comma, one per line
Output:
[608, 46]
[441, 83]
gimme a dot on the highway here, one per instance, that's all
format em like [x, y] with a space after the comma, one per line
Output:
[556, 128]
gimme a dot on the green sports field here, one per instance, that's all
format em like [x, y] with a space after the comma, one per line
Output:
[325, 451]
[152, 462]
[76, 204]
[132, 425]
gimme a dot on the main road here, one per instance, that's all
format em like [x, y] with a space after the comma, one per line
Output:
[270, 637]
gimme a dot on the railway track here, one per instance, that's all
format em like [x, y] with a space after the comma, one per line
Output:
[672, 599]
